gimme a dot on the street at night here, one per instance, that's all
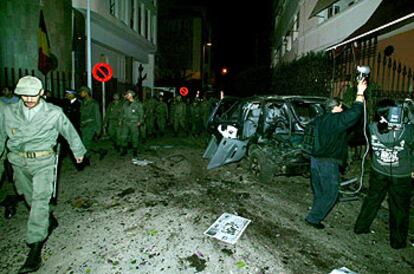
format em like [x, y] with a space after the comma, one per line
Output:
[206, 136]
[117, 217]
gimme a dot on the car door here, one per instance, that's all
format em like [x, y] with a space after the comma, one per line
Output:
[234, 132]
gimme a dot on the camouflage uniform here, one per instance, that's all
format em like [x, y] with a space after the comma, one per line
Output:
[132, 118]
[112, 120]
[30, 144]
[8, 199]
[90, 123]
[179, 113]
[195, 118]
[204, 108]
[161, 116]
[149, 107]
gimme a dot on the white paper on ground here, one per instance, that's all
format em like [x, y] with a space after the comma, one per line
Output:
[228, 228]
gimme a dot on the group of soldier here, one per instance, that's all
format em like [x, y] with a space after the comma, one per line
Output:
[33, 126]
[155, 116]
[129, 122]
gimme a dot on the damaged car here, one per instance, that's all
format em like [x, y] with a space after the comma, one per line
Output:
[269, 132]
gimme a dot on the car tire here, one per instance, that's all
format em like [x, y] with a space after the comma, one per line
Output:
[259, 166]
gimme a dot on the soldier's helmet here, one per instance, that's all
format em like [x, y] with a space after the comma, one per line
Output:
[86, 89]
[28, 86]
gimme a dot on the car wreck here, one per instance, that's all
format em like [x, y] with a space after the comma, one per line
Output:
[269, 132]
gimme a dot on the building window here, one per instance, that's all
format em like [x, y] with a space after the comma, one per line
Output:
[112, 7]
[295, 28]
[148, 34]
[333, 10]
[154, 29]
[288, 41]
[144, 24]
[131, 14]
[139, 29]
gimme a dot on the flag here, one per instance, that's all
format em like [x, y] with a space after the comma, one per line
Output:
[45, 63]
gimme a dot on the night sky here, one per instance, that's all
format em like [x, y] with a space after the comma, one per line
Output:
[240, 31]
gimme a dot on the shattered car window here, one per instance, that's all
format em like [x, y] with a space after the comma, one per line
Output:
[228, 111]
[251, 120]
[276, 119]
[306, 111]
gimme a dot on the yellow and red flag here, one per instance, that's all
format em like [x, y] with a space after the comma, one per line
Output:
[45, 63]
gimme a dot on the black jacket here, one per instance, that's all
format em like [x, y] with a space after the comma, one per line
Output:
[330, 132]
[72, 111]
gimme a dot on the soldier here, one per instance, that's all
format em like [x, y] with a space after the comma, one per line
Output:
[71, 108]
[204, 105]
[8, 199]
[150, 116]
[31, 128]
[132, 119]
[8, 96]
[112, 120]
[195, 118]
[179, 113]
[90, 124]
[161, 116]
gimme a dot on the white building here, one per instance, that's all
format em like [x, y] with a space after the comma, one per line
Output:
[123, 34]
[377, 33]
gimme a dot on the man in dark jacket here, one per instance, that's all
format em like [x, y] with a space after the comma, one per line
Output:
[329, 153]
[71, 108]
[392, 171]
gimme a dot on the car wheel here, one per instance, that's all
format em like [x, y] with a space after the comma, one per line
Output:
[260, 167]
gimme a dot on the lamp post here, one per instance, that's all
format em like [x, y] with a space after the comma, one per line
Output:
[203, 65]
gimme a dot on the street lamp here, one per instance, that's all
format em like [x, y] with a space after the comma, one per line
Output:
[203, 65]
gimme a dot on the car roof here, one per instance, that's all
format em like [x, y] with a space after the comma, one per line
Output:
[272, 97]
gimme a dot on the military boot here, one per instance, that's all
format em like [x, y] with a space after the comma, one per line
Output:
[9, 211]
[10, 206]
[34, 259]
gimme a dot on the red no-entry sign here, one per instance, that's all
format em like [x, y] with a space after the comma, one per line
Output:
[184, 91]
[102, 72]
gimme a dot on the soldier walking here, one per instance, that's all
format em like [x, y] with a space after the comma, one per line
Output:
[161, 116]
[31, 128]
[131, 121]
[8, 199]
[179, 113]
[112, 120]
[90, 124]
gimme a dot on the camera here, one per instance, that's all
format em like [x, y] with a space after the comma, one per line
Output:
[363, 73]
[393, 117]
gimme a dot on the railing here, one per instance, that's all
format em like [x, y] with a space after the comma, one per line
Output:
[55, 81]
[391, 77]
[58, 81]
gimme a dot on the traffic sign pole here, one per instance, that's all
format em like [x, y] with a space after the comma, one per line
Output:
[103, 106]
[102, 72]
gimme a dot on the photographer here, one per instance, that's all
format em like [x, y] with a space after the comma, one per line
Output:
[392, 142]
[329, 153]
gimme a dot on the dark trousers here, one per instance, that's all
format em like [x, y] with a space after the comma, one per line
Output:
[324, 184]
[399, 196]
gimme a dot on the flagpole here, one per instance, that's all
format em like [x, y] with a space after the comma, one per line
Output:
[88, 33]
